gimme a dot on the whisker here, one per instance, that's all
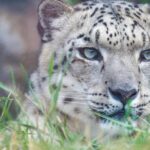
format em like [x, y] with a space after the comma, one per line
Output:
[144, 107]
[75, 98]
[75, 92]
[145, 121]
[79, 103]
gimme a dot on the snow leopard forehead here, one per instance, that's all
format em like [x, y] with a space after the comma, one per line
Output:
[117, 25]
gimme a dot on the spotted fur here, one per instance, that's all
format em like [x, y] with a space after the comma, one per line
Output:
[120, 31]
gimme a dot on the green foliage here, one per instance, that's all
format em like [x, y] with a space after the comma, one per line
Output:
[72, 2]
[23, 134]
[76, 1]
[145, 1]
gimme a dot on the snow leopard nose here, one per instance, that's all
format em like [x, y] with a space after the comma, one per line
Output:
[123, 95]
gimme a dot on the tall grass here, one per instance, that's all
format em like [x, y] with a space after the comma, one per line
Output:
[23, 134]
[18, 134]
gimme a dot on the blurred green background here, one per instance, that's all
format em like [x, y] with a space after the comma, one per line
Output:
[138, 1]
[145, 1]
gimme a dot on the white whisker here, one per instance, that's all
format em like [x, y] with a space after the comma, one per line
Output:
[67, 91]
[79, 103]
[145, 121]
[73, 94]
[75, 98]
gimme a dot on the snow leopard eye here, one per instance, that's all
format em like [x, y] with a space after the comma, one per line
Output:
[145, 55]
[90, 53]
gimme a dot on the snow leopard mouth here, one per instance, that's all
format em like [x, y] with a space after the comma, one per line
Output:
[117, 116]
[120, 115]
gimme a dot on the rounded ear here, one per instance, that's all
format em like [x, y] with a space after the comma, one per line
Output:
[48, 11]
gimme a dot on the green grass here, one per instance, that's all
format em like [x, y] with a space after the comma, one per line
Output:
[23, 134]
[18, 134]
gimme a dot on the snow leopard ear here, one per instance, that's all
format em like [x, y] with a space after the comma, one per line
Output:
[48, 11]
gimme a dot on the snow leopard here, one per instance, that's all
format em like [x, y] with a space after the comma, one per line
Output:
[100, 51]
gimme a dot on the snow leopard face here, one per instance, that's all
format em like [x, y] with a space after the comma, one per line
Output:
[106, 48]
